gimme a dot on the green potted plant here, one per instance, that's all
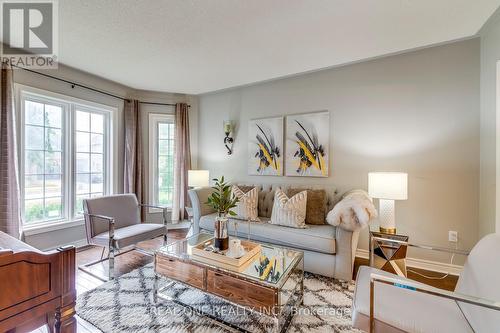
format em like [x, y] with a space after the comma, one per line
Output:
[222, 201]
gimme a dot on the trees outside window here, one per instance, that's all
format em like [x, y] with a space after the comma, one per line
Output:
[65, 156]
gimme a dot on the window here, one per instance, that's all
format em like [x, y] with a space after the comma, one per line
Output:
[89, 149]
[44, 170]
[64, 156]
[162, 131]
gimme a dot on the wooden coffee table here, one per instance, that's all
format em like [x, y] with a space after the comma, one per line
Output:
[276, 297]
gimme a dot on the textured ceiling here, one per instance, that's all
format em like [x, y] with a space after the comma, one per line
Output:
[197, 46]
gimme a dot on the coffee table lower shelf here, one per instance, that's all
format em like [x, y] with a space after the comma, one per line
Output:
[280, 321]
[277, 304]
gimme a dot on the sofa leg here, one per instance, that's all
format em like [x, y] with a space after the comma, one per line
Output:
[165, 239]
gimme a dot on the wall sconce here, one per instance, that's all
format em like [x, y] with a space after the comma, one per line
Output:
[228, 140]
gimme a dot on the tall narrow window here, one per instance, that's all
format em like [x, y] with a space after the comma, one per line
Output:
[89, 150]
[165, 163]
[43, 161]
[161, 154]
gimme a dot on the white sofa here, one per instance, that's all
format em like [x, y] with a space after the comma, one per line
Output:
[328, 250]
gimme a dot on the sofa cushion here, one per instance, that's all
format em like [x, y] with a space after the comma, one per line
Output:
[246, 188]
[289, 212]
[266, 195]
[317, 238]
[132, 234]
[316, 205]
[246, 208]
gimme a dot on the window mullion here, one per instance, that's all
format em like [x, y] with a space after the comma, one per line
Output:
[44, 164]
[70, 157]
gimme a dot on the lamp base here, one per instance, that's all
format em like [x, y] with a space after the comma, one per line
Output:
[391, 231]
[387, 216]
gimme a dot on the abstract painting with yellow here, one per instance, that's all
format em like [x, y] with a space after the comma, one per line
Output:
[308, 138]
[265, 147]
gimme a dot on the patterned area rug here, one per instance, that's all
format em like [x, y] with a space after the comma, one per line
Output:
[126, 305]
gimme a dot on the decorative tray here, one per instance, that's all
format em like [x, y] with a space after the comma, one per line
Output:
[251, 250]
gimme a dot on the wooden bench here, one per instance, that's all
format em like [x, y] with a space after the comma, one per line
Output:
[36, 288]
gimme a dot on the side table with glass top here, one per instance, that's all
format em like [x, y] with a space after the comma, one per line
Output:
[388, 252]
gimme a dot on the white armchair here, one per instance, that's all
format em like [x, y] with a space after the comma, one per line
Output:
[384, 302]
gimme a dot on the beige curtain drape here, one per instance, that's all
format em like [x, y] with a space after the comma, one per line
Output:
[10, 216]
[133, 164]
[182, 162]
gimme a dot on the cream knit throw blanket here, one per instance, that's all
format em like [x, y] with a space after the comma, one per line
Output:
[354, 212]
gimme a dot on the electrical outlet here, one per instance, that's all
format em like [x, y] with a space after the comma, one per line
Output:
[453, 236]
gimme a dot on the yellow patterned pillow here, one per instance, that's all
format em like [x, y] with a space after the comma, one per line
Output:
[246, 208]
[290, 212]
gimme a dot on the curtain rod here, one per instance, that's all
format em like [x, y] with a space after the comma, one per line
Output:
[74, 84]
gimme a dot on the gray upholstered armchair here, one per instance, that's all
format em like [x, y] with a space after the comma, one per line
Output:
[114, 222]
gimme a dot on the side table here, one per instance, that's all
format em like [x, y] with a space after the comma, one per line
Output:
[386, 254]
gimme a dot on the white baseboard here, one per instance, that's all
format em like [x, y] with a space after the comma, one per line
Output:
[83, 242]
[179, 225]
[77, 244]
[429, 265]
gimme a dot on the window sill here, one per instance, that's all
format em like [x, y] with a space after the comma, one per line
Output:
[157, 210]
[48, 227]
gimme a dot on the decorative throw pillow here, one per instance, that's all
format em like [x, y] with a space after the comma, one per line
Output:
[246, 208]
[290, 212]
[316, 205]
[245, 188]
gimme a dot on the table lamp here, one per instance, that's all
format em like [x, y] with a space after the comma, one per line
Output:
[387, 187]
[198, 178]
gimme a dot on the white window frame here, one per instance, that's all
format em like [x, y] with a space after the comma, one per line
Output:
[153, 121]
[107, 170]
[64, 144]
[69, 157]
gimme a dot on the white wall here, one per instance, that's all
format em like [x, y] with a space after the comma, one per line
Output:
[76, 234]
[497, 203]
[416, 112]
[490, 150]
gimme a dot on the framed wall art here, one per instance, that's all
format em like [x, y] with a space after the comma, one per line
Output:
[265, 146]
[307, 144]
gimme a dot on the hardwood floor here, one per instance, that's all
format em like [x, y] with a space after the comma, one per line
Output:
[132, 260]
[123, 264]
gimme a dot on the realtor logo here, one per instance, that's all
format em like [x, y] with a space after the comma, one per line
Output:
[29, 33]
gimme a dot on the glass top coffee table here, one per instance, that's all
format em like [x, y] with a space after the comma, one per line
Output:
[246, 301]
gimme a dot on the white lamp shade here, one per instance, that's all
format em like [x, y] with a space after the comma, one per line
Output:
[388, 185]
[198, 178]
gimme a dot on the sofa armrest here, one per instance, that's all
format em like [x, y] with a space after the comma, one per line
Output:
[346, 243]
[198, 198]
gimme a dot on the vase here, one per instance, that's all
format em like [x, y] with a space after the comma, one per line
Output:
[221, 238]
